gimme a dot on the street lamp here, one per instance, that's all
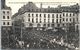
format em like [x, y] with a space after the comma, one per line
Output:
[22, 26]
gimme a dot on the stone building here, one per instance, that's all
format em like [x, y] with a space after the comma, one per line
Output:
[5, 24]
[60, 17]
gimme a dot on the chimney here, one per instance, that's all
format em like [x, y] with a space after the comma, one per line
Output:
[59, 6]
[41, 5]
[48, 6]
[3, 4]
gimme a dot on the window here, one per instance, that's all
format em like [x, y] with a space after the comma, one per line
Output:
[52, 20]
[73, 19]
[60, 20]
[48, 15]
[3, 23]
[70, 19]
[44, 15]
[40, 21]
[3, 17]
[63, 24]
[36, 15]
[7, 23]
[7, 12]
[44, 25]
[70, 15]
[44, 20]
[40, 15]
[7, 17]
[52, 15]
[36, 21]
[48, 20]
[28, 15]
[32, 20]
[63, 14]
[73, 14]
[66, 19]
[3, 12]
[29, 19]
[63, 19]
[57, 16]
[57, 20]
[60, 15]
[67, 14]
[32, 15]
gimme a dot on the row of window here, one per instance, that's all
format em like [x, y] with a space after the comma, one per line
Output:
[5, 12]
[39, 25]
[69, 19]
[66, 19]
[40, 15]
[57, 15]
[68, 14]
[4, 23]
[57, 20]
[4, 17]
[50, 25]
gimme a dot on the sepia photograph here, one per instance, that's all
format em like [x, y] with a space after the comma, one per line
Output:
[39, 24]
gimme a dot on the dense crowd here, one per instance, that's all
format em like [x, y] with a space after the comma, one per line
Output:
[40, 39]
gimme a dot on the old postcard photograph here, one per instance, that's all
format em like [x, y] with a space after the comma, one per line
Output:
[39, 24]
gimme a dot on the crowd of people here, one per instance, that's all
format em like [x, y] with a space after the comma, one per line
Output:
[41, 39]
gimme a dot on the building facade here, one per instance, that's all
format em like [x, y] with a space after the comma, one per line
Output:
[49, 19]
[5, 24]
[6, 17]
[60, 17]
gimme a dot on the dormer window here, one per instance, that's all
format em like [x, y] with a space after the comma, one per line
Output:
[40, 10]
[36, 10]
[32, 10]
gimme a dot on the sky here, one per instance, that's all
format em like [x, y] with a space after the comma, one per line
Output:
[16, 4]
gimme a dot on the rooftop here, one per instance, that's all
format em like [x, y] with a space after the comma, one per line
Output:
[7, 8]
[4, 6]
[31, 7]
